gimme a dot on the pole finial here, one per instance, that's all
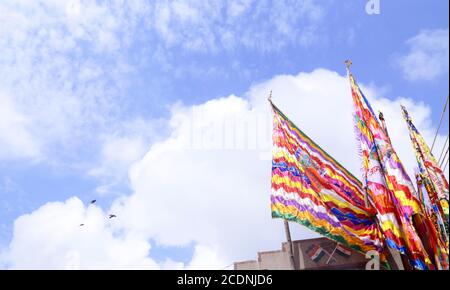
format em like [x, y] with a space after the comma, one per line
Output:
[405, 113]
[348, 64]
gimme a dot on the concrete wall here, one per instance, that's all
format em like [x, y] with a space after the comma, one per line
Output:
[274, 260]
[246, 265]
[279, 260]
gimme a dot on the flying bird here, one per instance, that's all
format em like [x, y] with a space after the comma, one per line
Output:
[112, 216]
[81, 225]
[93, 201]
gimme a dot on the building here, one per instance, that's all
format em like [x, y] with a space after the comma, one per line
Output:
[311, 254]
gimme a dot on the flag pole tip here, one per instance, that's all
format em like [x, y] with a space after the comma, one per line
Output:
[270, 97]
[348, 63]
[404, 110]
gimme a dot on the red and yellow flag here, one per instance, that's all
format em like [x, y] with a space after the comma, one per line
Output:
[389, 186]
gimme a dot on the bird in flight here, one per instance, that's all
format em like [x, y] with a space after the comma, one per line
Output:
[93, 201]
[112, 216]
[81, 225]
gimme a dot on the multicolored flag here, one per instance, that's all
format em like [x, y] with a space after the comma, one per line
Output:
[435, 196]
[435, 182]
[311, 188]
[389, 186]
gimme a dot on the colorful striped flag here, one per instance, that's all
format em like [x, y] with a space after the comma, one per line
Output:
[389, 186]
[435, 196]
[436, 183]
[311, 188]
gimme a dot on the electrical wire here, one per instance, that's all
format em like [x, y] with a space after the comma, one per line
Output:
[443, 150]
[440, 123]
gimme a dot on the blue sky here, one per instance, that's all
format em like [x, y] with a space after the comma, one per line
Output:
[88, 89]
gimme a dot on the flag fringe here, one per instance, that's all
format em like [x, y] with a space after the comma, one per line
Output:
[359, 150]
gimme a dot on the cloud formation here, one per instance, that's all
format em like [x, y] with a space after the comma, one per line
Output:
[16, 140]
[66, 65]
[428, 56]
[213, 25]
[60, 64]
[52, 238]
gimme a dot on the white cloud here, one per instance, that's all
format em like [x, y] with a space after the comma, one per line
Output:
[118, 154]
[206, 258]
[127, 143]
[428, 56]
[237, 8]
[261, 25]
[58, 61]
[66, 63]
[52, 238]
[15, 138]
[208, 182]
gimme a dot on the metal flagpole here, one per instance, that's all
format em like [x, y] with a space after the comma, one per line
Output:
[287, 231]
[290, 247]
